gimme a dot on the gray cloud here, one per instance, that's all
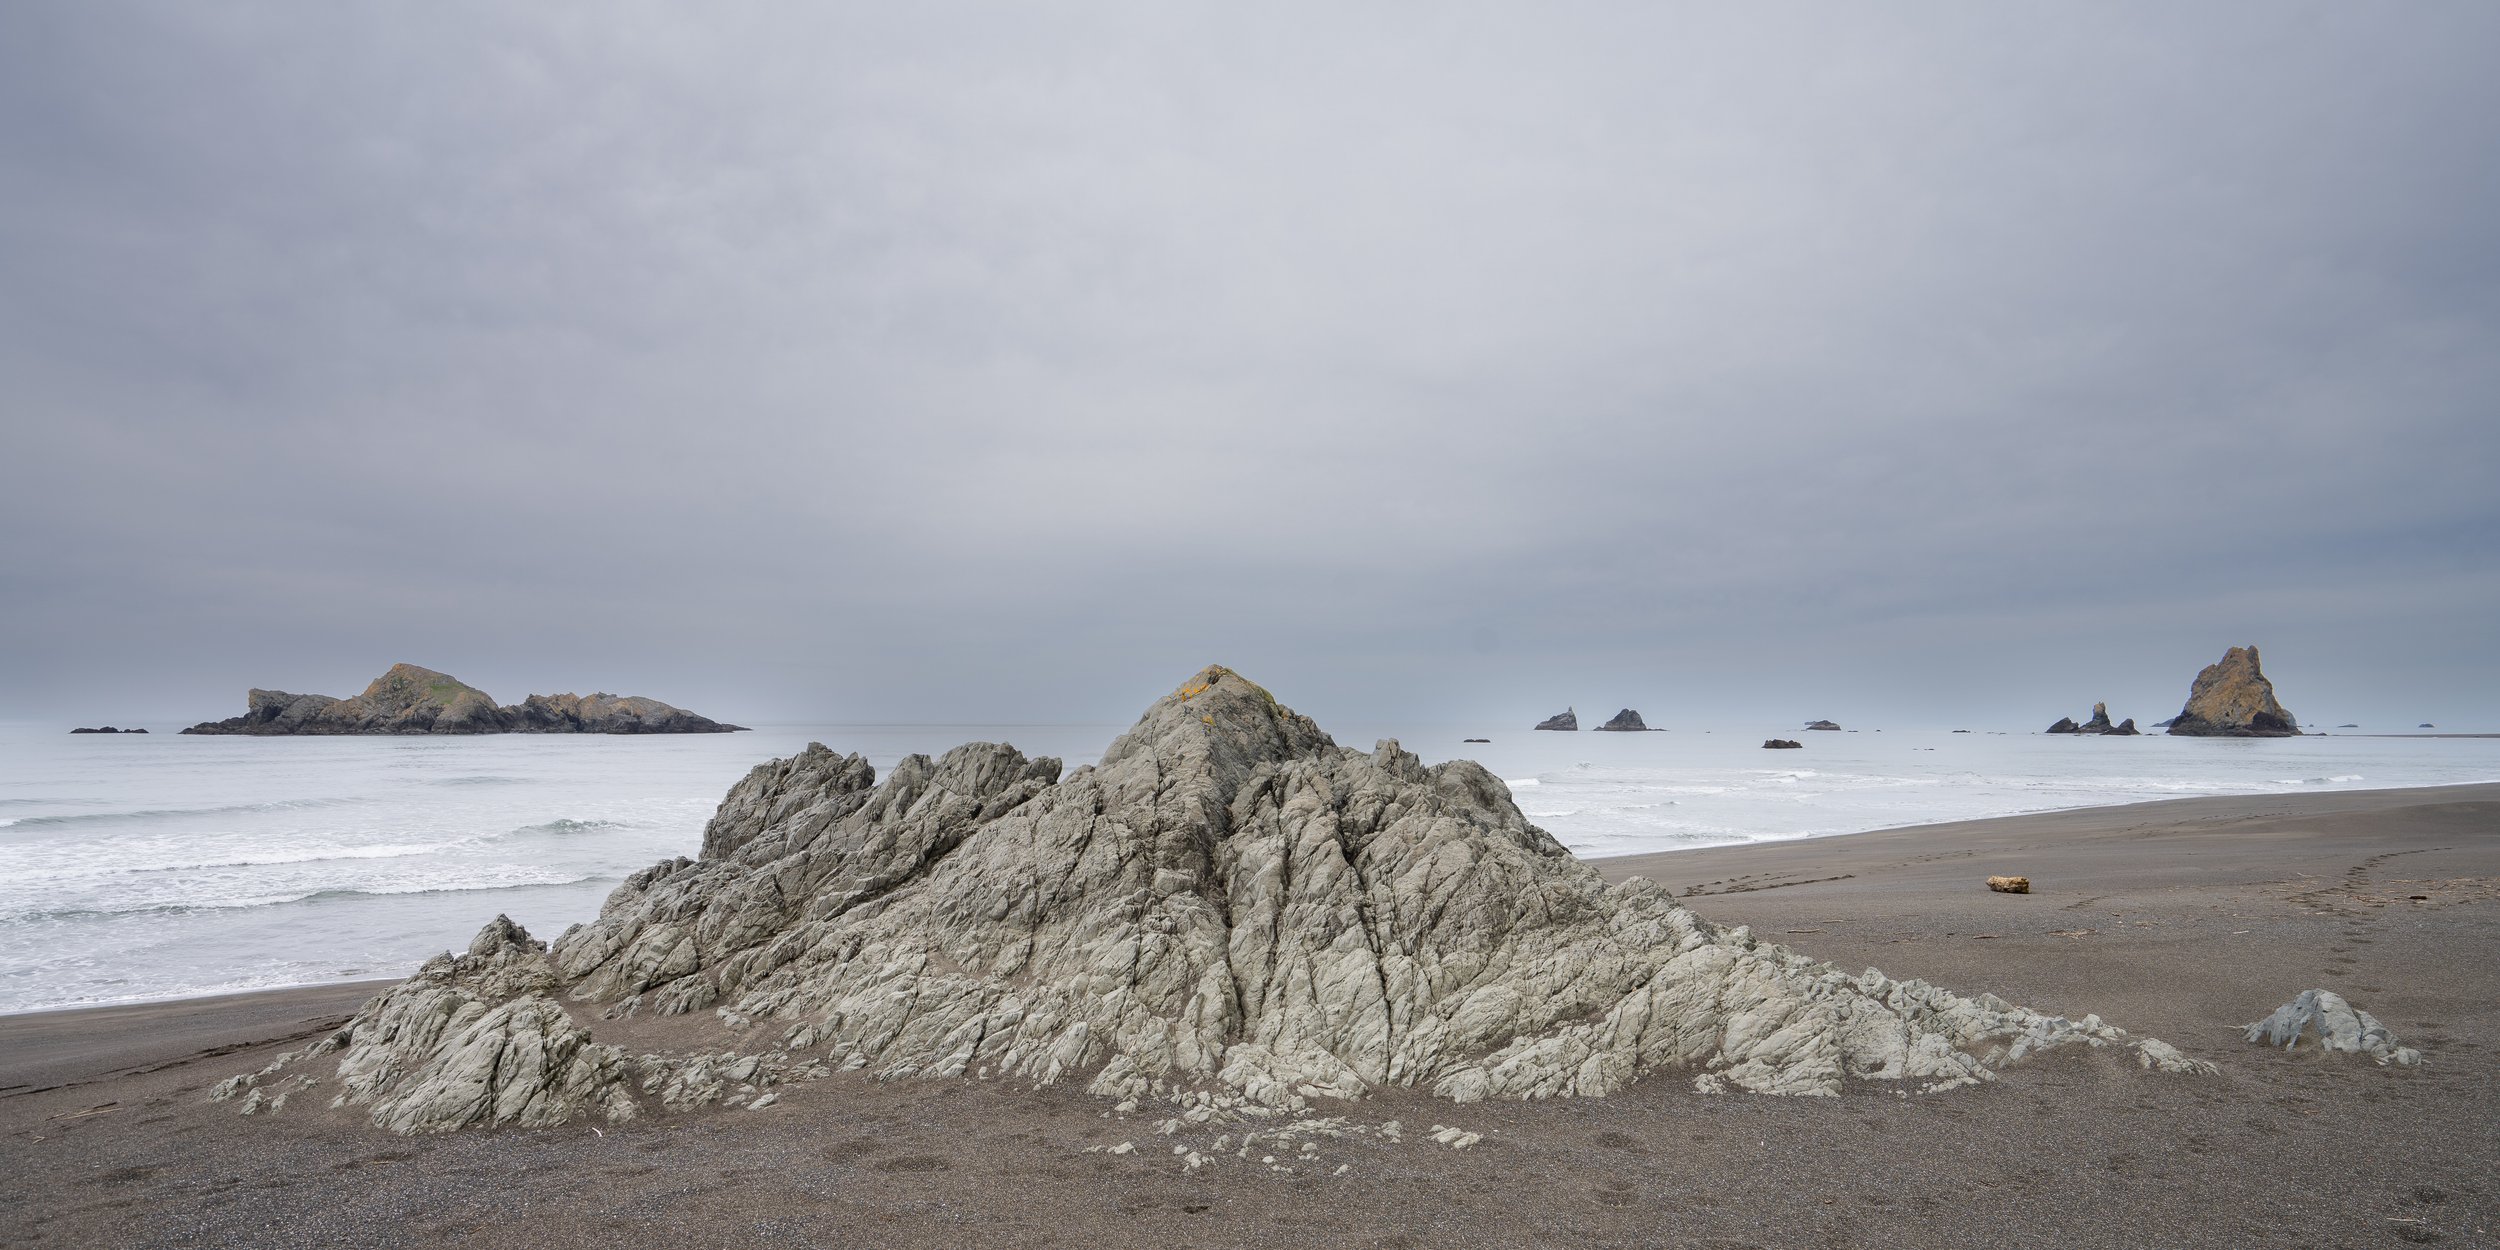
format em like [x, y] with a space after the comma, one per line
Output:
[956, 363]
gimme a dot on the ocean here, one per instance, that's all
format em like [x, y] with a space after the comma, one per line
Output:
[135, 868]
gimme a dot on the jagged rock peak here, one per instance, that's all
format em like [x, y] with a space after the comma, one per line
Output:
[1229, 906]
[2231, 698]
[1567, 721]
[2099, 724]
[1626, 721]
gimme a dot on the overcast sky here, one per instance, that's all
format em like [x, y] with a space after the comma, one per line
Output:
[1906, 363]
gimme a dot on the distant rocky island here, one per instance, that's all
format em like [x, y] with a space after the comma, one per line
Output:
[413, 700]
[1824, 725]
[2099, 724]
[1568, 721]
[2231, 698]
[1626, 721]
[108, 729]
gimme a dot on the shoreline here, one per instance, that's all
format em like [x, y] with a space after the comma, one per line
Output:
[1608, 864]
[2182, 919]
[1614, 867]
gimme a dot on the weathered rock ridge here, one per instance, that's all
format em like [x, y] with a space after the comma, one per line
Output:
[2099, 724]
[1229, 910]
[1568, 721]
[2232, 699]
[413, 700]
[1626, 721]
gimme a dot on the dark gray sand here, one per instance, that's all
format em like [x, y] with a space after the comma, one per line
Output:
[2182, 920]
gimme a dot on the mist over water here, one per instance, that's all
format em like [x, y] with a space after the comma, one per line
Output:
[136, 868]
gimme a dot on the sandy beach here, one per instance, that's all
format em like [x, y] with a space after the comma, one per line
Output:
[2183, 920]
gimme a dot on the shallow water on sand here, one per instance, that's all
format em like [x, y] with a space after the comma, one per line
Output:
[160, 866]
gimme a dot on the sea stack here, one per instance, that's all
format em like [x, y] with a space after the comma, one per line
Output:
[1625, 721]
[1568, 722]
[2099, 724]
[413, 700]
[1228, 916]
[2233, 699]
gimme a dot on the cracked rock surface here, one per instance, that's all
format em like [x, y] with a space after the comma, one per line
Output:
[2333, 1024]
[1228, 906]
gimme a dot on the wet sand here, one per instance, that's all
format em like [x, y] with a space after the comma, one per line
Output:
[2182, 920]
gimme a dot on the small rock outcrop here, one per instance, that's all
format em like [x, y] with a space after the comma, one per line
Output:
[2232, 699]
[2099, 724]
[1228, 911]
[1782, 744]
[413, 700]
[1824, 725]
[2010, 885]
[1476, 740]
[2336, 1025]
[1568, 721]
[1626, 721]
[108, 729]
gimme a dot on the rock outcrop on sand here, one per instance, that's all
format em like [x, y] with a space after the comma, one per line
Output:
[1228, 913]
[413, 700]
[2099, 724]
[1568, 721]
[1626, 721]
[2335, 1024]
[2233, 699]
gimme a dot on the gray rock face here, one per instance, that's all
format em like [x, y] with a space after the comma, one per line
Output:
[413, 700]
[1568, 721]
[2336, 1025]
[1626, 721]
[1229, 908]
[2231, 698]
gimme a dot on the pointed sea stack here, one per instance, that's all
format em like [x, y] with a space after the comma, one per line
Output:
[1228, 916]
[1626, 721]
[2233, 699]
[413, 700]
[1568, 722]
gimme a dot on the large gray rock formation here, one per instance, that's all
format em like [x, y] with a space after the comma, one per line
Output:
[1568, 721]
[2231, 698]
[1626, 721]
[413, 700]
[2336, 1025]
[1229, 908]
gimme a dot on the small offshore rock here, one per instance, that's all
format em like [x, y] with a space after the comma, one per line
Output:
[1824, 725]
[1568, 721]
[1625, 721]
[409, 699]
[2010, 885]
[1782, 744]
